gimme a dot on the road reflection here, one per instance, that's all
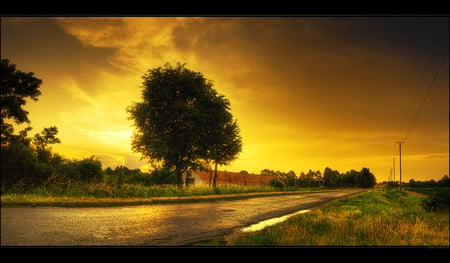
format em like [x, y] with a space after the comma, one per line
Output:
[263, 224]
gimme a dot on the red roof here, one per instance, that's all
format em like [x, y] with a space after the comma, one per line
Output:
[224, 177]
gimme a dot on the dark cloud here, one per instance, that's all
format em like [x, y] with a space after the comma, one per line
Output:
[343, 72]
[43, 47]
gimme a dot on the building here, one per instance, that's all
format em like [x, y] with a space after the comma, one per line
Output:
[198, 177]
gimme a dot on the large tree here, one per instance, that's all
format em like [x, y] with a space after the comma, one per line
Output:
[17, 155]
[16, 87]
[178, 121]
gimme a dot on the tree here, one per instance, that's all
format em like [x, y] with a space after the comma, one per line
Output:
[226, 147]
[178, 122]
[367, 179]
[329, 177]
[17, 159]
[351, 178]
[41, 142]
[16, 87]
[288, 178]
[444, 181]
[89, 169]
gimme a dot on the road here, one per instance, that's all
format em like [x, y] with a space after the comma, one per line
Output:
[147, 225]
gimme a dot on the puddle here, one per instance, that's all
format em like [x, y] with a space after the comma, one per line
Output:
[272, 221]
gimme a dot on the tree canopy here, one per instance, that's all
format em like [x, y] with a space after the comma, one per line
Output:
[182, 122]
[16, 87]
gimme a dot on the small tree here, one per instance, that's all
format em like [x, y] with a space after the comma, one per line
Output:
[41, 142]
[227, 146]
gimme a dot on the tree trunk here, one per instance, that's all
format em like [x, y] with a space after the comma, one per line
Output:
[119, 183]
[179, 178]
[210, 176]
[215, 175]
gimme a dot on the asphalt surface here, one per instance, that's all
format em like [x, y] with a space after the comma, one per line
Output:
[148, 225]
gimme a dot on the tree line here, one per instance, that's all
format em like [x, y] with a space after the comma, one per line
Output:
[329, 178]
[443, 182]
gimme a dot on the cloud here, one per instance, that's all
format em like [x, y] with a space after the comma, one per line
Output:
[437, 156]
[139, 43]
[41, 46]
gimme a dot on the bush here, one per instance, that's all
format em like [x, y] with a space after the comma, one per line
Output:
[276, 183]
[436, 198]
[431, 203]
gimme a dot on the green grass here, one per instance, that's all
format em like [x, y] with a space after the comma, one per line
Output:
[429, 191]
[381, 217]
[103, 194]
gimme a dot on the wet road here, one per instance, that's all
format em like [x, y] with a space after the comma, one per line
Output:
[147, 225]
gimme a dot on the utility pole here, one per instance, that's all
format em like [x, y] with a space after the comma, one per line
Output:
[393, 163]
[400, 162]
[390, 176]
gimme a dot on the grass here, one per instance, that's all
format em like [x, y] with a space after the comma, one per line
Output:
[380, 217]
[103, 194]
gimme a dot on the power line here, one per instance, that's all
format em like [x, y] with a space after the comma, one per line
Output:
[425, 98]
[416, 91]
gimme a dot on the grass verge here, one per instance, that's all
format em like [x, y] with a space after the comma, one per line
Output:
[104, 195]
[380, 217]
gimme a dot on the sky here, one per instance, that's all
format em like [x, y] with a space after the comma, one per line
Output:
[308, 92]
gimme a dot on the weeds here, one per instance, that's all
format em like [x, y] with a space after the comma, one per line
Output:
[382, 217]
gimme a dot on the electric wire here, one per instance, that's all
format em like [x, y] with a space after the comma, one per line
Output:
[416, 91]
[427, 95]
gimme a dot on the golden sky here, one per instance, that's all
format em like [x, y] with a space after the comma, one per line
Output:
[307, 92]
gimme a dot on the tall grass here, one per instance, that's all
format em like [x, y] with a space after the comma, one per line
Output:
[105, 190]
[59, 190]
[381, 217]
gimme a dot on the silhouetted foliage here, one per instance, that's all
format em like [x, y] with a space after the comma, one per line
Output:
[41, 142]
[367, 179]
[443, 182]
[225, 144]
[275, 182]
[17, 158]
[89, 169]
[136, 176]
[437, 198]
[16, 87]
[163, 176]
[26, 162]
[329, 177]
